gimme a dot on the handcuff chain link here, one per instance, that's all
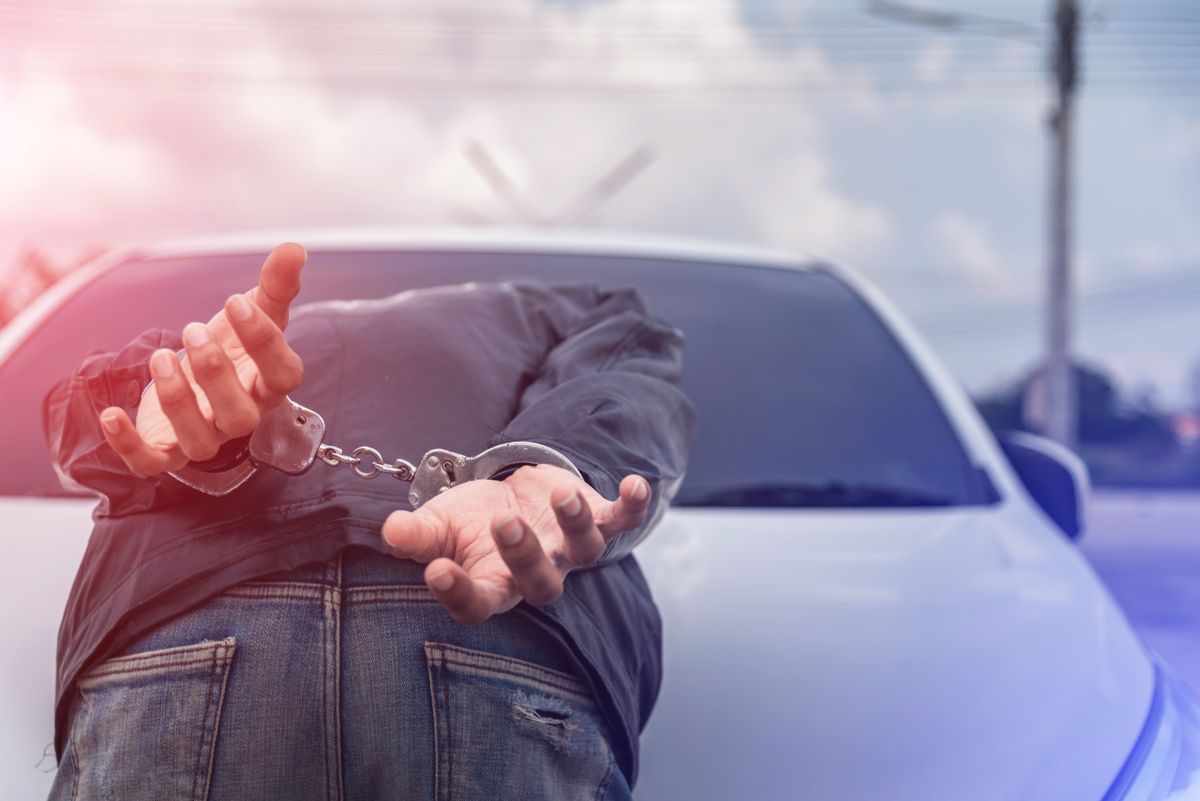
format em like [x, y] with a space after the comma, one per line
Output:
[332, 455]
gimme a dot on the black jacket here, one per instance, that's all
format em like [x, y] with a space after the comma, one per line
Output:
[589, 373]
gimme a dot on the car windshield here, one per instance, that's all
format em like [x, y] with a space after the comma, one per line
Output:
[803, 397]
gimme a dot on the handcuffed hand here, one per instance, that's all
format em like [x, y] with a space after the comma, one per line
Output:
[238, 366]
[490, 544]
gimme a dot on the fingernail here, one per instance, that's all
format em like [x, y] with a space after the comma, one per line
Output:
[196, 335]
[162, 365]
[442, 581]
[642, 491]
[240, 309]
[510, 532]
[571, 506]
[110, 424]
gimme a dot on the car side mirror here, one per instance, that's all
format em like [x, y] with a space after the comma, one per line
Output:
[1055, 477]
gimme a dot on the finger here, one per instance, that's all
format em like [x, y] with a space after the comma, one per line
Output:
[279, 368]
[628, 511]
[234, 412]
[583, 543]
[421, 535]
[466, 599]
[538, 581]
[197, 437]
[279, 281]
[139, 456]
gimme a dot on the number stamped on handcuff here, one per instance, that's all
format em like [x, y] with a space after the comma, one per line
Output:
[291, 438]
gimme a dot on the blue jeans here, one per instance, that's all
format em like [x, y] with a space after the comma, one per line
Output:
[346, 681]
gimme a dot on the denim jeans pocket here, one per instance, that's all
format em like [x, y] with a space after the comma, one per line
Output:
[146, 725]
[507, 728]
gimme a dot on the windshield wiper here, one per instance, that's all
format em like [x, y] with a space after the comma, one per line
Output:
[832, 494]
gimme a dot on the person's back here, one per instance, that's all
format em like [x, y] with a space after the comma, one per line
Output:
[281, 634]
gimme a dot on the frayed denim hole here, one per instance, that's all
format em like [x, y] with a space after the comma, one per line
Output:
[546, 718]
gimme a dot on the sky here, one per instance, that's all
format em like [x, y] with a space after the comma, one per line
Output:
[917, 156]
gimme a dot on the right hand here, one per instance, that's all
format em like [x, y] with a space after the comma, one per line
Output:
[237, 366]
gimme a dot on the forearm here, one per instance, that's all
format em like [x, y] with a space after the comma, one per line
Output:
[608, 398]
[71, 423]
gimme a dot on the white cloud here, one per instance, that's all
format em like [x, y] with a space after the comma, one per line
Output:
[1181, 142]
[306, 123]
[965, 244]
[934, 60]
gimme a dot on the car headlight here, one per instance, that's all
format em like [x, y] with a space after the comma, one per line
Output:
[1164, 764]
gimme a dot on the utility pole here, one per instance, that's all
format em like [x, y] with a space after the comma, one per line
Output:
[1058, 380]
[1061, 394]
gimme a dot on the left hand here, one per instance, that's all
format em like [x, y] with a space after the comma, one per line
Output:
[490, 544]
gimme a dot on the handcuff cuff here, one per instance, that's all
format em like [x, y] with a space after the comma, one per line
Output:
[290, 438]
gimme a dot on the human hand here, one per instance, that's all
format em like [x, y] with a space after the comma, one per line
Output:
[237, 366]
[490, 544]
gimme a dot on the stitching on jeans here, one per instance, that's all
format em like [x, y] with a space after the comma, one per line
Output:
[378, 601]
[602, 789]
[465, 655]
[338, 658]
[513, 666]
[331, 651]
[449, 733]
[433, 707]
[400, 592]
[281, 586]
[325, 695]
[161, 654]
[80, 717]
[204, 723]
[143, 669]
[275, 596]
[290, 584]
[216, 723]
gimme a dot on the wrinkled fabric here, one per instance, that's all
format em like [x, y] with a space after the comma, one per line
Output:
[592, 374]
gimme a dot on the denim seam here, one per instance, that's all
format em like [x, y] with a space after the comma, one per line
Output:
[436, 720]
[449, 729]
[474, 658]
[395, 592]
[228, 649]
[333, 738]
[380, 601]
[163, 658]
[606, 782]
[496, 672]
[316, 587]
[144, 669]
[208, 701]
[254, 594]
[76, 725]
[456, 656]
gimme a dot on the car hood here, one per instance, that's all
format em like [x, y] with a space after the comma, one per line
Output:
[885, 654]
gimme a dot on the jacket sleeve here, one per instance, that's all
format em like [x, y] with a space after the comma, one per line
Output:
[607, 396]
[71, 422]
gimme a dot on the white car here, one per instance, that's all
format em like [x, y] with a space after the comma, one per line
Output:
[865, 595]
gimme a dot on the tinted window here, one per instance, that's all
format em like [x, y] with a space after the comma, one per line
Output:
[803, 397]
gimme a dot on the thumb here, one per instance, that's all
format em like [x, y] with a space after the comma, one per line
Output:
[422, 535]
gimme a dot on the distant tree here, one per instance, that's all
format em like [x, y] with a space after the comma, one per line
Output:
[1104, 415]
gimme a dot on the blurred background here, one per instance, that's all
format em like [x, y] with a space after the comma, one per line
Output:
[910, 142]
